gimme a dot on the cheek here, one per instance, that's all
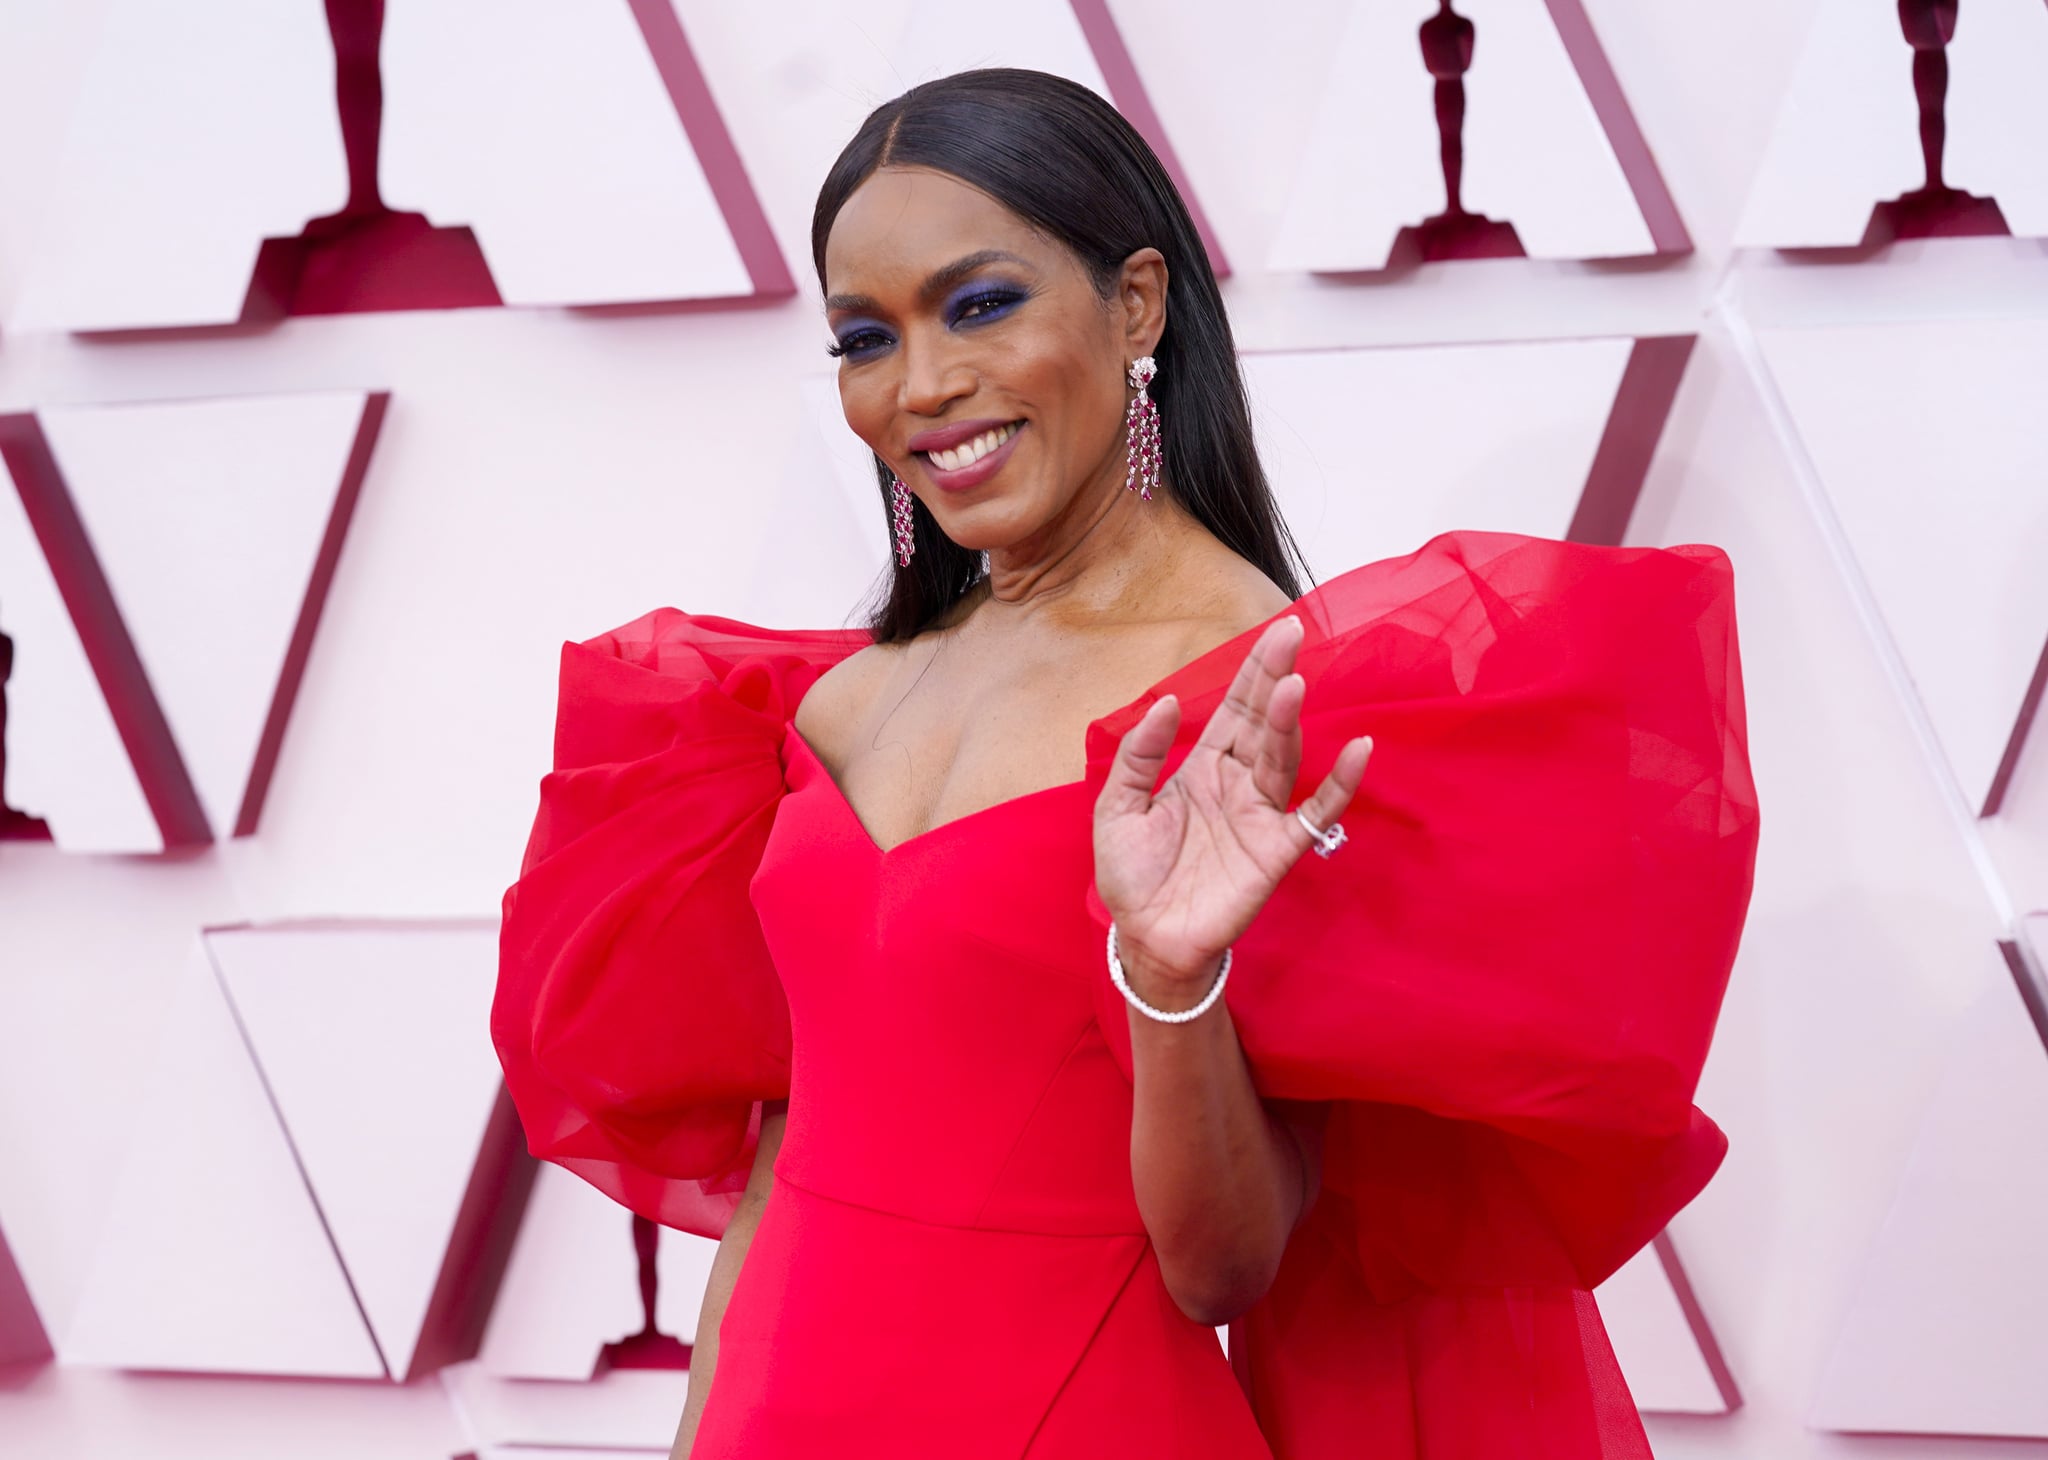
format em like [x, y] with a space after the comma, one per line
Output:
[865, 402]
[1090, 414]
[1062, 382]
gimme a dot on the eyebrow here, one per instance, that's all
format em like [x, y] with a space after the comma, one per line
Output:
[935, 284]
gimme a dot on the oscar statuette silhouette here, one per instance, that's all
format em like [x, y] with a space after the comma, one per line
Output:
[1448, 42]
[650, 1348]
[1934, 209]
[15, 826]
[366, 257]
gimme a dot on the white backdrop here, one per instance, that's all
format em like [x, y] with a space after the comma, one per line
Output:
[1859, 428]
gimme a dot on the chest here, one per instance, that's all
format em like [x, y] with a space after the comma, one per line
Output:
[967, 723]
[947, 744]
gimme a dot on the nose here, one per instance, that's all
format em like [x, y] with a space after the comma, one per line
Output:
[934, 376]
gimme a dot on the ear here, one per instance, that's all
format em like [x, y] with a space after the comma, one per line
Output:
[1141, 300]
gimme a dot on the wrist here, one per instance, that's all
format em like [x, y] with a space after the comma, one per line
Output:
[1163, 984]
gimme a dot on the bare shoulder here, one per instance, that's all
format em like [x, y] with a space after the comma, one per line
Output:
[832, 707]
[1230, 596]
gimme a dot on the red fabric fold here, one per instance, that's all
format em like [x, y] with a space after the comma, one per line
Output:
[637, 1015]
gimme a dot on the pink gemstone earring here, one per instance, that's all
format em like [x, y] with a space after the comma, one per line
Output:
[1141, 431]
[899, 514]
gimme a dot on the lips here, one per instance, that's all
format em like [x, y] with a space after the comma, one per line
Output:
[945, 438]
[971, 450]
[967, 454]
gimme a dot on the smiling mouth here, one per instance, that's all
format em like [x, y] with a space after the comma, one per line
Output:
[967, 453]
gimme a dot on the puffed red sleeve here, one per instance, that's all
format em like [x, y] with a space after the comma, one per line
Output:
[1500, 991]
[638, 1017]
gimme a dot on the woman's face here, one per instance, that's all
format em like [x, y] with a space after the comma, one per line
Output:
[976, 356]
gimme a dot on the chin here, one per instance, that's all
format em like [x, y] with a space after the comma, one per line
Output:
[989, 525]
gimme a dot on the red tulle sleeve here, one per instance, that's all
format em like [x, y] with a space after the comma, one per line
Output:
[638, 1017]
[1500, 992]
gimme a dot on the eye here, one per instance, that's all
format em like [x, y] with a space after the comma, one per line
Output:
[986, 304]
[857, 344]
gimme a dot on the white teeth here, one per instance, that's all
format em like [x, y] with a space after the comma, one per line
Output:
[969, 452]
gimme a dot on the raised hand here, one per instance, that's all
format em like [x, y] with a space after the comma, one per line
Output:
[1184, 870]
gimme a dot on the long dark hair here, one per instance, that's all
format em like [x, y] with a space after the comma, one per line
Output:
[1060, 157]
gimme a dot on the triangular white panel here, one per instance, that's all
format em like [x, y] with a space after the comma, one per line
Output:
[1371, 452]
[212, 1256]
[65, 760]
[199, 130]
[207, 517]
[547, 130]
[375, 1042]
[1848, 132]
[1660, 1354]
[1536, 153]
[1928, 439]
[1944, 1332]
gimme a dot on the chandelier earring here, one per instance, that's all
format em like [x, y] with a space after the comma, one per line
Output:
[1141, 431]
[900, 520]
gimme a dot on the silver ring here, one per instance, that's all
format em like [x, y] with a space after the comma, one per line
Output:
[1326, 841]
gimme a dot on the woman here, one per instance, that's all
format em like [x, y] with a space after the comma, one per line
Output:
[816, 946]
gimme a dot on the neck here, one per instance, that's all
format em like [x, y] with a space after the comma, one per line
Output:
[1092, 559]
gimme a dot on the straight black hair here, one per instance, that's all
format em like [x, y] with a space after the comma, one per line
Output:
[1063, 159]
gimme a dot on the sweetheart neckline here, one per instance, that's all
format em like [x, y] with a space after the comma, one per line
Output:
[852, 815]
[1144, 698]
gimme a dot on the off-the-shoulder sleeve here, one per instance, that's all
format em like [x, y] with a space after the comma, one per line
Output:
[638, 1017]
[1501, 989]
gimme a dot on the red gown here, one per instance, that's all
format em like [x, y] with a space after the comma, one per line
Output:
[1503, 988]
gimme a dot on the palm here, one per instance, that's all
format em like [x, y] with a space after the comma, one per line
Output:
[1184, 870]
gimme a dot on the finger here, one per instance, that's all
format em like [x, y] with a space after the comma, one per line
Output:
[1275, 652]
[1278, 755]
[1330, 800]
[1245, 703]
[1140, 757]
